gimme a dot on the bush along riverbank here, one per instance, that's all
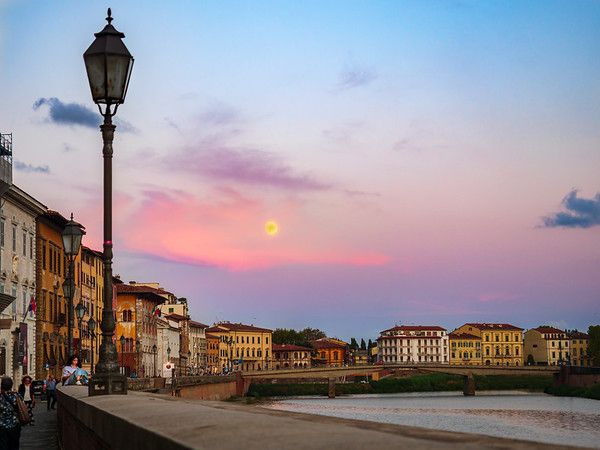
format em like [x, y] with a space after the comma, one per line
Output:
[592, 392]
[419, 383]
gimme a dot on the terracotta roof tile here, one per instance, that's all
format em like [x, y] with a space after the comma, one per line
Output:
[195, 324]
[454, 335]
[547, 330]
[326, 343]
[494, 326]
[177, 317]
[415, 328]
[228, 326]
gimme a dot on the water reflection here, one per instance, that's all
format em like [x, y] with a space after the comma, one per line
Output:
[538, 417]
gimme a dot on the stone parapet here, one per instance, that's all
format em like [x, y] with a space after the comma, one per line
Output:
[153, 422]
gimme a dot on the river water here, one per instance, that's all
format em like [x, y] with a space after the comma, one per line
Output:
[511, 414]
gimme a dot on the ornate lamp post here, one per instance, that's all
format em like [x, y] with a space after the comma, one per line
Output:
[108, 64]
[92, 329]
[155, 352]
[71, 238]
[122, 341]
[79, 312]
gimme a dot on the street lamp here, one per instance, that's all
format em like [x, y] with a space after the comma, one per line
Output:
[92, 328]
[155, 352]
[79, 312]
[108, 64]
[71, 240]
[122, 341]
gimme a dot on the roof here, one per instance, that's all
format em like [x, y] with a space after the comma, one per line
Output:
[98, 253]
[578, 335]
[177, 317]
[195, 324]
[494, 326]
[548, 330]
[228, 326]
[408, 337]
[327, 343]
[57, 219]
[454, 335]
[289, 348]
[140, 290]
[212, 336]
[415, 328]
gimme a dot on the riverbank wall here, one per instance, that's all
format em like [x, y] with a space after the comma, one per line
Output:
[418, 383]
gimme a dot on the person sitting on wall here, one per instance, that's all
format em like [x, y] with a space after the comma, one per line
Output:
[73, 374]
[10, 428]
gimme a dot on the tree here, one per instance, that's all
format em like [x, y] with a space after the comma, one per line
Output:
[286, 336]
[363, 345]
[353, 344]
[311, 334]
[594, 344]
[371, 344]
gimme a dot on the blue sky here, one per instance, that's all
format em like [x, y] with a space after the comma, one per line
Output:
[415, 154]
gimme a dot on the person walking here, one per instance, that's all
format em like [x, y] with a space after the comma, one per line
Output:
[10, 428]
[50, 392]
[26, 393]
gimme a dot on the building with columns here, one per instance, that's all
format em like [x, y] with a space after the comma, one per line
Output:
[501, 343]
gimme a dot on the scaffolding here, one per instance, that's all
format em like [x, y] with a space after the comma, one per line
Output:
[6, 157]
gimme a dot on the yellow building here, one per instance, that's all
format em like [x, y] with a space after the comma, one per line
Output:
[212, 353]
[51, 318]
[501, 343]
[465, 349]
[578, 355]
[243, 347]
[92, 292]
[546, 346]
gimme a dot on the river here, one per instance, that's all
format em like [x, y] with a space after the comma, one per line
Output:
[512, 414]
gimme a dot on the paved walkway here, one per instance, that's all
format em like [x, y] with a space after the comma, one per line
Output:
[42, 435]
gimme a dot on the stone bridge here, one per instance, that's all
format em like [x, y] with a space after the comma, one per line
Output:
[332, 374]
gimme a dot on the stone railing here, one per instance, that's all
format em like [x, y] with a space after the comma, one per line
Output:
[145, 384]
[141, 420]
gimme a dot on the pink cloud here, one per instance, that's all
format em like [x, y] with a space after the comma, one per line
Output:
[227, 231]
[247, 166]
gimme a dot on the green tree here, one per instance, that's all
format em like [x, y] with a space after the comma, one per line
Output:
[353, 344]
[311, 334]
[285, 336]
[594, 344]
[363, 345]
[371, 344]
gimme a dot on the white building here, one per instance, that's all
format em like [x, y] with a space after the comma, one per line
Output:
[168, 346]
[18, 212]
[413, 344]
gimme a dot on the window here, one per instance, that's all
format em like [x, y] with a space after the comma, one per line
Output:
[24, 243]
[497, 338]
[487, 351]
[2, 233]
[506, 337]
[487, 338]
[14, 238]
[31, 246]
[517, 351]
[25, 304]
[127, 316]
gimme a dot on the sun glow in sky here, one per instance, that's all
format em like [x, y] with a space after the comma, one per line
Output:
[432, 162]
[271, 228]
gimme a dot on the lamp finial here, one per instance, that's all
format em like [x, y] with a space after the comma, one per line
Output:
[109, 19]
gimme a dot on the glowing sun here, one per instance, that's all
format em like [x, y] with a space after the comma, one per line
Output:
[271, 228]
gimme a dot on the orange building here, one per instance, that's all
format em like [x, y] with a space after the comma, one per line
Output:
[212, 353]
[51, 319]
[92, 292]
[330, 352]
[136, 323]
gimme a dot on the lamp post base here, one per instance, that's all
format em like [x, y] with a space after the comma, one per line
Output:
[108, 384]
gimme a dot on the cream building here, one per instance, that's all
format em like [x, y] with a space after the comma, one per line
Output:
[413, 344]
[465, 349]
[198, 358]
[18, 213]
[578, 346]
[243, 347]
[547, 346]
[501, 343]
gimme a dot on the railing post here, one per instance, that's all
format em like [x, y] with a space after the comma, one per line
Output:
[331, 388]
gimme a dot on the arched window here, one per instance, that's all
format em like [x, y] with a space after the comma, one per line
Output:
[127, 315]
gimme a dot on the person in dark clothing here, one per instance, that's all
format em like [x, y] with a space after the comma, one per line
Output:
[50, 386]
[10, 428]
[26, 393]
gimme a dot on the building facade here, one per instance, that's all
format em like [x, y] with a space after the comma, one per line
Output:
[212, 353]
[198, 361]
[92, 297]
[52, 318]
[501, 343]
[291, 356]
[413, 344]
[465, 349]
[18, 254]
[243, 347]
[578, 345]
[330, 352]
[137, 325]
[547, 345]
